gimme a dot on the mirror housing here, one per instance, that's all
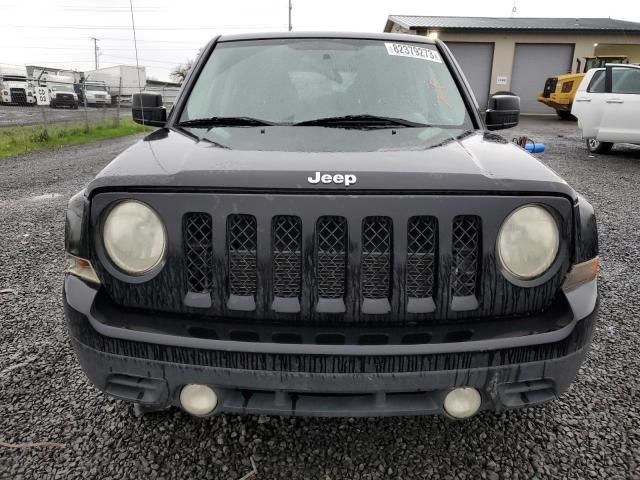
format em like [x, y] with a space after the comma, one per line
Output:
[147, 109]
[503, 111]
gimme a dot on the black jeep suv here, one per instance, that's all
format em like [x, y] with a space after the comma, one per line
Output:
[325, 225]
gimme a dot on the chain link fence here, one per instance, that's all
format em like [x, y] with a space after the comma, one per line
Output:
[35, 110]
[34, 102]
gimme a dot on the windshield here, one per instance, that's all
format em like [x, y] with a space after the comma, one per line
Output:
[61, 88]
[14, 78]
[288, 81]
[95, 88]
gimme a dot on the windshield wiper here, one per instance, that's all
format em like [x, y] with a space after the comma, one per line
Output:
[225, 122]
[360, 121]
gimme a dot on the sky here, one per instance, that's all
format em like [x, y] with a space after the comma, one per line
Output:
[56, 33]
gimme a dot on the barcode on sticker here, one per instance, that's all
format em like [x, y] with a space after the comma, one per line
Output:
[412, 51]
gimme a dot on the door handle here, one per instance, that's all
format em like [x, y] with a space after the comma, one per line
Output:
[583, 99]
[614, 100]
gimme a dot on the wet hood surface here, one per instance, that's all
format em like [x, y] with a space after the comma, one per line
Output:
[475, 161]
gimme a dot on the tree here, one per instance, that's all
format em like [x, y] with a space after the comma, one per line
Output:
[179, 73]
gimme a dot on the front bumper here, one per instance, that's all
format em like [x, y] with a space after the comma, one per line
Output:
[561, 104]
[374, 381]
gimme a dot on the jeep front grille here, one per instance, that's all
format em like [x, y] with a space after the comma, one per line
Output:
[421, 256]
[466, 239]
[333, 259]
[198, 251]
[376, 257]
[286, 256]
[331, 266]
[241, 245]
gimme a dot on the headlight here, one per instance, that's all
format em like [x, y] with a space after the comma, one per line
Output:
[528, 242]
[134, 237]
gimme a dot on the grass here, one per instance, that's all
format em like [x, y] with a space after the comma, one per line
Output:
[31, 138]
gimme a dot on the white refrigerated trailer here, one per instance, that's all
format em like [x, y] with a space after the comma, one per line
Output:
[122, 81]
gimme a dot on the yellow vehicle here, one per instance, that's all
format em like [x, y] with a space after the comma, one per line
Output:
[559, 91]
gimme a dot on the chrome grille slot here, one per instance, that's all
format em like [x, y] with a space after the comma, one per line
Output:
[465, 264]
[242, 245]
[331, 262]
[198, 251]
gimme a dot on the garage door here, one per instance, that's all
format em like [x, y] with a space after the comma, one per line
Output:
[476, 60]
[532, 65]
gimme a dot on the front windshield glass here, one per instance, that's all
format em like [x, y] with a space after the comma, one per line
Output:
[95, 88]
[287, 81]
[61, 88]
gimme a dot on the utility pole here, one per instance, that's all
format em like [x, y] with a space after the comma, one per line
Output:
[290, 8]
[95, 50]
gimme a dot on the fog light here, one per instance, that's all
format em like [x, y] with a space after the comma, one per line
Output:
[198, 400]
[462, 402]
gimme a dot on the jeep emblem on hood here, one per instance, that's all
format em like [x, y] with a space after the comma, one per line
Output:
[347, 179]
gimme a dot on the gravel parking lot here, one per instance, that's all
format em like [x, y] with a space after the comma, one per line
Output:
[13, 115]
[593, 431]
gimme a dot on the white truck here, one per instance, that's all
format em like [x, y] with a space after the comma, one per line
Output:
[61, 90]
[607, 106]
[122, 81]
[15, 87]
[96, 93]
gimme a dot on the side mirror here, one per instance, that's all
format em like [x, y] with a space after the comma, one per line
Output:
[147, 109]
[503, 111]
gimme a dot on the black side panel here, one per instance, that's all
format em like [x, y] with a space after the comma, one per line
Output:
[586, 239]
[76, 231]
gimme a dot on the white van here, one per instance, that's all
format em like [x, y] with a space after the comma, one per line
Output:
[607, 106]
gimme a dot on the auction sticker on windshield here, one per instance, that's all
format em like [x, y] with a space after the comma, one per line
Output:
[413, 51]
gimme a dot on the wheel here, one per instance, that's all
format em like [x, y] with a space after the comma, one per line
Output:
[565, 115]
[594, 146]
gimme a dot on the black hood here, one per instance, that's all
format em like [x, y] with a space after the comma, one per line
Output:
[475, 161]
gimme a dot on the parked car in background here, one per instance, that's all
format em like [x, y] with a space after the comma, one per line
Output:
[122, 81]
[560, 91]
[14, 86]
[61, 91]
[96, 93]
[607, 106]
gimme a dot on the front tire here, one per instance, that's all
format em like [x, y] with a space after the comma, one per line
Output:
[565, 115]
[595, 146]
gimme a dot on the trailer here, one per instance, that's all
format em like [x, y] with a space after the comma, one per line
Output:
[15, 87]
[122, 81]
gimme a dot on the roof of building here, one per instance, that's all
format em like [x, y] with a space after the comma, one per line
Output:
[515, 23]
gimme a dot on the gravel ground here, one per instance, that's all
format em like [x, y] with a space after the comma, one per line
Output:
[593, 431]
[13, 115]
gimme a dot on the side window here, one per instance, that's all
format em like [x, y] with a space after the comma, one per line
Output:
[625, 80]
[596, 85]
